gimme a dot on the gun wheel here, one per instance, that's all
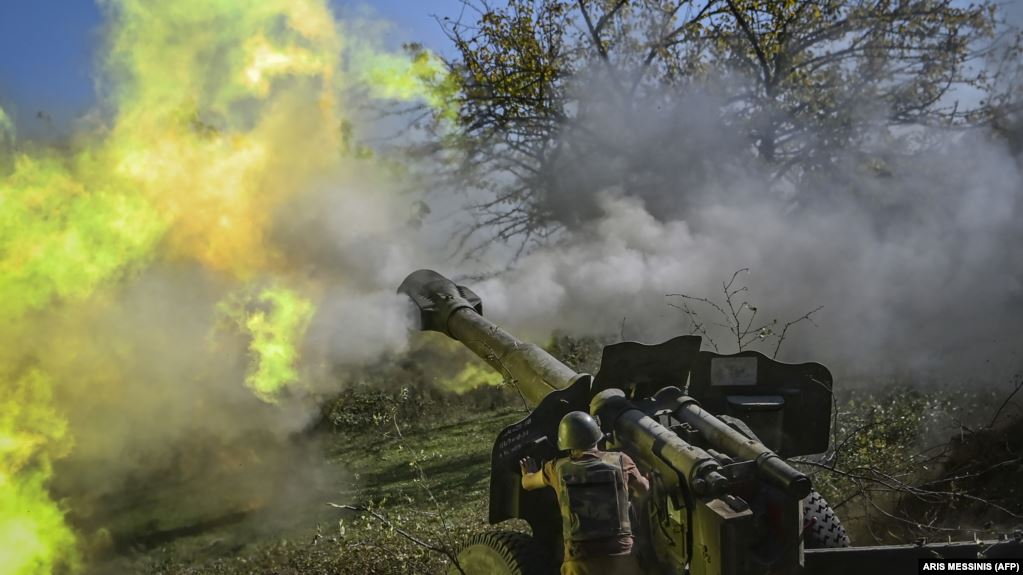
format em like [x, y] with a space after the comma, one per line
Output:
[827, 530]
[501, 553]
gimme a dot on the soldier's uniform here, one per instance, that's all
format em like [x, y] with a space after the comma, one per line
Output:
[593, 493]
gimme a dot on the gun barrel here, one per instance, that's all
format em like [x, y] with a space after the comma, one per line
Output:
[533, 370]
[772, 468]
[650, 440]
[457, 312]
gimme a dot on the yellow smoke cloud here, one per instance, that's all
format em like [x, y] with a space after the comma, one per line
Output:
[274, 322]
[61, 237]
[220, 111]
[217, 158]
[33, 536]
[474, 374]
[419, 75]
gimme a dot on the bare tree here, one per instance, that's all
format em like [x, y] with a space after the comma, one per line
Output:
[738, 318]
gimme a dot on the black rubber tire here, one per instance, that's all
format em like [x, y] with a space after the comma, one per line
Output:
[826, 531]
[502, 553]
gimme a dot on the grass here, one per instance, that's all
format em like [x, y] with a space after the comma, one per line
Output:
[454, 458]
[393, 475]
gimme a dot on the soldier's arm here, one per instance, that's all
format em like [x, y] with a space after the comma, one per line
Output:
[638, 485]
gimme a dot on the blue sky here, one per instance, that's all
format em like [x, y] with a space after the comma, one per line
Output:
[47, 48]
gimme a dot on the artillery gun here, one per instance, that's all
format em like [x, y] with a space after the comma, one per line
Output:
[712, 433]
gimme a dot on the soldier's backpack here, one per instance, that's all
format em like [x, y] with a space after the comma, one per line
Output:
[593, 497]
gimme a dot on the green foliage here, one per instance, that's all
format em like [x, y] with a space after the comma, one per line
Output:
[891, 449]
[517, 51]
[582, 354]
[876, 430]
[414, 389]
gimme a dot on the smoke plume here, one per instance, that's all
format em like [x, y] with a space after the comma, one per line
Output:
[917, 265]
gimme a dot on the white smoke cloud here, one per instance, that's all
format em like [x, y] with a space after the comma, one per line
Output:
[919, 267]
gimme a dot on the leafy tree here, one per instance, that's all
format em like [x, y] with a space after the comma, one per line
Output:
[803, 81]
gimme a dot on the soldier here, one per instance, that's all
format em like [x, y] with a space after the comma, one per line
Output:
[593, 489]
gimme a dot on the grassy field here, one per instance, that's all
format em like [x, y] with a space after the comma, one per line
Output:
[431, 480]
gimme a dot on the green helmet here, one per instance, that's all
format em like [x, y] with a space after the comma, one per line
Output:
[578, 430]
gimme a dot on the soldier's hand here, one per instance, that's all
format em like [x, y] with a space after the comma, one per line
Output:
[527, 465]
